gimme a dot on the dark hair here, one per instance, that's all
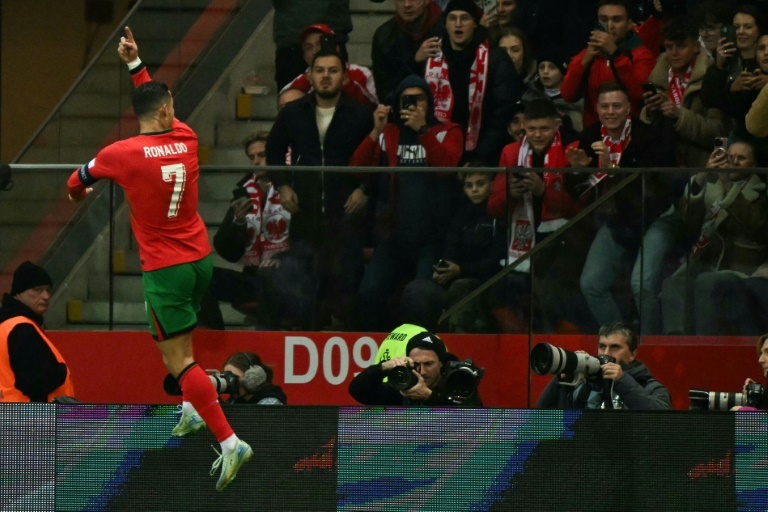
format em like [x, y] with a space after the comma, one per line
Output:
[611, 87]
[753, 11]
[622, 329]
[760, 341]
[540, 108]
[244, 360]
[681, 29]
[469, 171]
[260, 136]
[148, 97]
[527, 53]
[626, 4]
[329, 53]
[712, 12]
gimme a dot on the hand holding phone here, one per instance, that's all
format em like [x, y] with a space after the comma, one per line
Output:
[648, 87]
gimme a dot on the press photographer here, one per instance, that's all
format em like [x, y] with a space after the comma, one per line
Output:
[428, 375]
[244, 377]
[614, 379]
[754, 391]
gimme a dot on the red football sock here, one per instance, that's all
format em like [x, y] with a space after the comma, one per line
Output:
[196, 388]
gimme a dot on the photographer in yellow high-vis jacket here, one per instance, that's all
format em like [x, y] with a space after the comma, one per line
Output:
[31, 369]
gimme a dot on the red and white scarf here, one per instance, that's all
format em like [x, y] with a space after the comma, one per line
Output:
[436, 76]
[678, 84]
[523, 234]
[267, 227]
[615, 149]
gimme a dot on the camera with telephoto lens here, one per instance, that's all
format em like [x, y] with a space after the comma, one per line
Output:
[703, 400]
[549, 359]
[461, 379]
[402, 377]
[224, 382]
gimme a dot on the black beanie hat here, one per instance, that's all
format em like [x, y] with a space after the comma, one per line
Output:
[464, 5]
[554, 56]
[27, 276]
[428, 341]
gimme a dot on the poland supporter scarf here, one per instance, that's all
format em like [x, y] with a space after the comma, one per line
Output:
[437, 77]
[615, 149]
[678, 84]
[267, 227]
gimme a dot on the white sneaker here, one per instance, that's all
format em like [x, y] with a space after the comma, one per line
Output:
[189, 423]
[231, 463]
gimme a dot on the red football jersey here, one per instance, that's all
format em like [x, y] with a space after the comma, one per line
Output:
[159, 173]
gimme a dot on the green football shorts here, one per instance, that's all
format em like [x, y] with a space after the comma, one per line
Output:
[172, 297]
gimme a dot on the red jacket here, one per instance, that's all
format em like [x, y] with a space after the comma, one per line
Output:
[556, 198]
[630, 73]
[443, 142]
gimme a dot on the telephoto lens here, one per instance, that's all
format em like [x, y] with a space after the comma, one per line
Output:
[549, 359]
[703, 400]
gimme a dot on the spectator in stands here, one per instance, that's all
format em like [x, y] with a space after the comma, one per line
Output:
[327, 208]
[417, 206]
[254, 234]
[31, 369]
[639, 215]
[676, 107]
[710, 16]
[756, 119]
[427, 359]
[728, 220]
[762, 360]
[400, 44]
[290, 19]
[546, 85]
[736, 99]
[535, 205]
[154, 168]
[475, 244]
[498, 18]
[614, 53]
[473, 84]
[625, 384]
[515, 128]
[359, 83]
[514, 42]
[255, 379]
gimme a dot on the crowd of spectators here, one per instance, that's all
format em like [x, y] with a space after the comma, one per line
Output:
[535, 89]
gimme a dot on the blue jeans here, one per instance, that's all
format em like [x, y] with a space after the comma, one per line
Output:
[603, 265]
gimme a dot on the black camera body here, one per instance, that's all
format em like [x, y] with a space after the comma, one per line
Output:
[402, 377]
[408, 100]
[461, 379]
[755, 395]
[225, 382]
[605, 359]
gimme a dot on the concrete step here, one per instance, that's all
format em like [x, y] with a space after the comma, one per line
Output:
[227, 155]
[96, 313]
[81, 104]
[127, 288]
[232, 132]
[254, 106]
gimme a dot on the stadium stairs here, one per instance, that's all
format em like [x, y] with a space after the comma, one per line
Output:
[210, 50]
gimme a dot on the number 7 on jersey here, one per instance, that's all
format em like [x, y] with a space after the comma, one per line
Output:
[177, 174]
